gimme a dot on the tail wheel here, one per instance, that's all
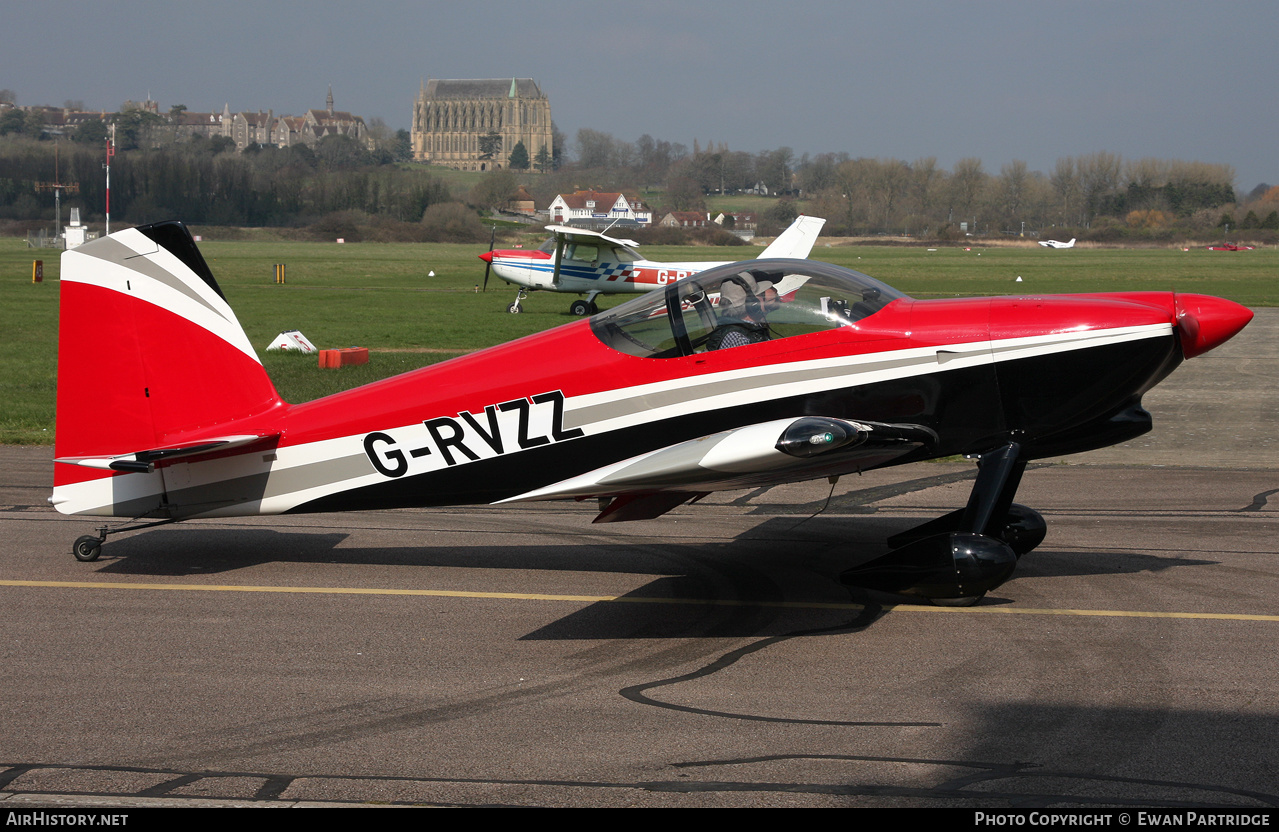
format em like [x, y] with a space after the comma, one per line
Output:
[87, 548]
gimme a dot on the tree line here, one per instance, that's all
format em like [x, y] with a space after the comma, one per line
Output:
[1098, 194]
[155, 175]
[203, 181]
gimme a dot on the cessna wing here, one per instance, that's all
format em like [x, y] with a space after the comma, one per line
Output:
[566, 236]
[566, 233]
[766, 453]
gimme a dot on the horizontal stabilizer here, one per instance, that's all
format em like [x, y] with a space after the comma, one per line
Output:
[144, 461]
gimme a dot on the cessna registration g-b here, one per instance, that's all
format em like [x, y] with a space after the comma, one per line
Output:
[165, 412]
[590, 263]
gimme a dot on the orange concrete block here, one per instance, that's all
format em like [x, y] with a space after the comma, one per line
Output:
[349, 357]
[353, 356]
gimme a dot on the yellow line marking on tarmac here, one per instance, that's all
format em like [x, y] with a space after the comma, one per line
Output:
[630, 599]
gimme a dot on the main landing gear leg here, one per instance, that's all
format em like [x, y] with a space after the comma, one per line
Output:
[990, 510]
[957, 558]
[88, 548]
[514, 308]
[582, 308]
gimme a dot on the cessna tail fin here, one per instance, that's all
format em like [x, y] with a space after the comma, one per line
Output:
[796, 241]
[151, 360]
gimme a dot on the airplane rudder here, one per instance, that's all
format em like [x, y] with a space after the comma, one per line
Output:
[148, 346]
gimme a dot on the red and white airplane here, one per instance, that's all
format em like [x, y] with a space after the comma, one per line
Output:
[166, 414]
[589, 263]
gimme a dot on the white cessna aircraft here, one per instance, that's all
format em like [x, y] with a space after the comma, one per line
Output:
[593, 264]
[1057, 243]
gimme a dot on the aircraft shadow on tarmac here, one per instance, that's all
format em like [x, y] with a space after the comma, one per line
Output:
[731, 588]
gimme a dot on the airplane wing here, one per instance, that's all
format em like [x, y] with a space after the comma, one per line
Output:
[144, 461]
[797, 241]
[581, 235]
[767, 453]
[566, 234]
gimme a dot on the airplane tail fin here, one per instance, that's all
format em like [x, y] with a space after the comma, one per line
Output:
[797, 241]
[151, 360]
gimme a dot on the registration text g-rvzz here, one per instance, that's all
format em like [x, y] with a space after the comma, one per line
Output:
[515, 425]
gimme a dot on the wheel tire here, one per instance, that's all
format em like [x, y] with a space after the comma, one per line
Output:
[87, 548]
[579, 308]
[514, 309]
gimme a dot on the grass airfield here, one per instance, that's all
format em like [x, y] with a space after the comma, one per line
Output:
[382, 296]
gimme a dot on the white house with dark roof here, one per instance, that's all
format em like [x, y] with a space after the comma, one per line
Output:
[590, 207]
[686, 219]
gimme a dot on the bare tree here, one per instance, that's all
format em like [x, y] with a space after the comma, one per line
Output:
[967, 182]
[495, 190]
[1065, 184]
[889, 187]
[684, 194]
[855, 179]
[774, 167]
[594, 148]
[1011, 191]
[1098, 180]
[926, 180]
[818, 173]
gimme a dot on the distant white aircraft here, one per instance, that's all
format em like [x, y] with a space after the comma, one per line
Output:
[587, 262]
[1057, 243]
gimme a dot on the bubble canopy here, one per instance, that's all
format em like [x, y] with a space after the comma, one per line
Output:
[740, 304]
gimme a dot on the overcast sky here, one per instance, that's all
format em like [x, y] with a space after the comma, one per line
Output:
[915, 78]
